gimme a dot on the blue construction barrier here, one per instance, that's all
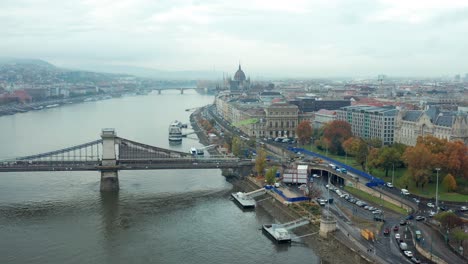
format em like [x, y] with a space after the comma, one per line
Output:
[373, 181]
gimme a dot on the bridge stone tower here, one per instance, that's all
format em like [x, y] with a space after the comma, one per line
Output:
[109, 174]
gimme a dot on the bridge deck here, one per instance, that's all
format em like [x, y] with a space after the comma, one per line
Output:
[126, 165]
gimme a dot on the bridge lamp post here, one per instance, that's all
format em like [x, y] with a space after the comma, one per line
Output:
[437, 190]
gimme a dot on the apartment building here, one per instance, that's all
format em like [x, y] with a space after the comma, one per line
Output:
[369, 122]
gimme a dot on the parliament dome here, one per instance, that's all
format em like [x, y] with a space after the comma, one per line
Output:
[240, 75]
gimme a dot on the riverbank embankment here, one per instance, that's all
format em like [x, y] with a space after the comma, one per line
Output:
[330, 250]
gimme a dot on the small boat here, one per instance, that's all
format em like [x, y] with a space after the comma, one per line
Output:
[277, 233]
[243, 200]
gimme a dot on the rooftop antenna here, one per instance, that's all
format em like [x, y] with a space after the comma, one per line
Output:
[380, 78]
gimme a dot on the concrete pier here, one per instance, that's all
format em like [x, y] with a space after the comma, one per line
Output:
[109, 181]
[109, 177]
[327, 225]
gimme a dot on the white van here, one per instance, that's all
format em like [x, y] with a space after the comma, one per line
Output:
[405, 192]
[403, 246]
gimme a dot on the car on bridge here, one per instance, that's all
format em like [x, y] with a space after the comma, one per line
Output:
[431, 205]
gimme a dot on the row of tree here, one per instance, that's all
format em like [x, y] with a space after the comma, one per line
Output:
[430, 153]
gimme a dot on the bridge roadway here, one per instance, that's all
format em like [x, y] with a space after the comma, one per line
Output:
[135, 164]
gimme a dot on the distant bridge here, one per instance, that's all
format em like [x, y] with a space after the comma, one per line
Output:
[111, 154]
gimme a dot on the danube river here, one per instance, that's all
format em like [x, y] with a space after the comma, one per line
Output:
[160, 216]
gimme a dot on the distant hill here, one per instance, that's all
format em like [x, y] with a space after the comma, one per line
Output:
[121, 70]
[157, 74]
[36, 62]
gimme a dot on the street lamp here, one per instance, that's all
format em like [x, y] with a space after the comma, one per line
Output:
[437, 190]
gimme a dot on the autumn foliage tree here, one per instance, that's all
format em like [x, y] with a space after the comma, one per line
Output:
[450, 183]
[451, 157]
[449, 219]
[419, 160]
[356, 147]
[260, 161]
[304, 132]
[270, 176]
[385, 158]
[336, 132]
[236, 146]
[455, 159]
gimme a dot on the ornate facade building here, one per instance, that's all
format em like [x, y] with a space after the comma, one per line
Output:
[260, 121]
[240, 81]
[410, 124]
[259, 115]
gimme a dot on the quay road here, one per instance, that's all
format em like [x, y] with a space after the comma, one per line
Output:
[385, 249]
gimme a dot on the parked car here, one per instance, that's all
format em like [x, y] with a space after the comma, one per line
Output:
[420, 218]
[416, 200]
[403, 222]
[464, 208]
[315, 176]
[377, 211]
[395, 228]
[397, 236]
[389, 185]
[415, 260]
[410, 217]
[431, 213]
[431, 205]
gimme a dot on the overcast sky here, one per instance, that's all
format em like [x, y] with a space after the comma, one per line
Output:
[270, 37]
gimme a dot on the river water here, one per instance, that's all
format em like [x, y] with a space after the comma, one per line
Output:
[160, 216]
